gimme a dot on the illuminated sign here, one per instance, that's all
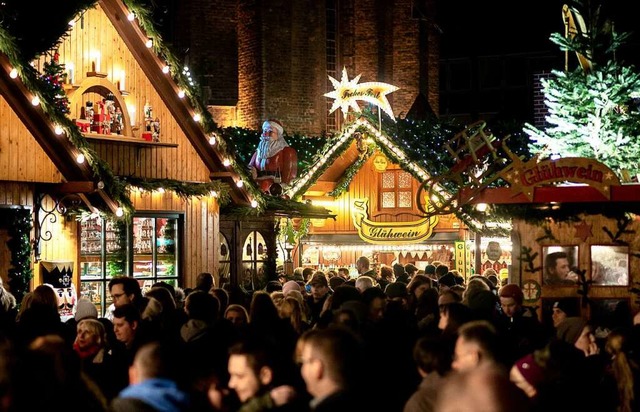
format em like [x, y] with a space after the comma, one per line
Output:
[347, 92]
[390, 233]
[524, 177]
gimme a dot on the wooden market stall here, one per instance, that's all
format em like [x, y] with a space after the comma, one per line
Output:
[572, 212]
[365, 177]
[135, 137]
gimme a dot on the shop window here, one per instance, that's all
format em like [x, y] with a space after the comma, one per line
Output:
[396, 190]
[224, 260]
[254, 257]
[147, 250]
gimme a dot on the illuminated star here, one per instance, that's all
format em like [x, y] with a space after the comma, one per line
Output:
[339, 88]
[347, 92]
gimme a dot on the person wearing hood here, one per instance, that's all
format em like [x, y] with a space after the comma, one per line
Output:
[152, 383]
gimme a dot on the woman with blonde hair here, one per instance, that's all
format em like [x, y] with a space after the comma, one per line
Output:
[291, 309]
[624, 370]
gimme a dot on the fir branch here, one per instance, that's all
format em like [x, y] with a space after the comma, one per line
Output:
[622, 223]
[184, 190]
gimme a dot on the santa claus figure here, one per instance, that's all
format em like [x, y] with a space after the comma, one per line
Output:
[274, 163]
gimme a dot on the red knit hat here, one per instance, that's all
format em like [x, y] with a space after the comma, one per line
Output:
[530, 370]
[512, 291]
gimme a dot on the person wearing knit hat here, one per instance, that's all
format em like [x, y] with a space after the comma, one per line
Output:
[578, 332]
[274, 161]
[289, 286]
[85, 309]
[562, 309]
[527, 374]
[513, 291]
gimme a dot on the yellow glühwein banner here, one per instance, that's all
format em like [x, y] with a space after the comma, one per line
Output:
[390, 233]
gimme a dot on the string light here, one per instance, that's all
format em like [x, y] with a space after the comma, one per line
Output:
[212, 139]
[165, 69]
[239, 183]
[180, 94]
[13, 73]
[35, 101]
[254, 203]
[149, 43]
[58, 129]
[119, 212]
[214, 193]
[131, 16]
[80, 158]
[481, 207]
[161, 190]
[226, 162]
[197, 117]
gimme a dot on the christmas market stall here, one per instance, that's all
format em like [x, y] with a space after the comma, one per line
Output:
[108, 154]
[369, 176]
[574, 241]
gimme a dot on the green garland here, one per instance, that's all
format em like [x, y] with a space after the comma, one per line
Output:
[19, 244]
[350, 173]
[184, 190]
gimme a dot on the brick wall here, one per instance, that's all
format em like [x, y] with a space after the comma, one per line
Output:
[540, 110]
[268, 57]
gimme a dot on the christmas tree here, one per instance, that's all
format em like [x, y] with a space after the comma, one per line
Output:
[53, 77]
[592, 110]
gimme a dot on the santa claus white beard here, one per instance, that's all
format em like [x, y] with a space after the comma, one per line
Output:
[268, 148]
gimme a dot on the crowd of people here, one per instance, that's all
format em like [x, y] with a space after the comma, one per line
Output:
[391, 339]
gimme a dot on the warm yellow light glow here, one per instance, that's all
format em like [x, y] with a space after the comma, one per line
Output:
[181, 93]
[94, 55]
[212, 139]
[254, 203]
[165, 69]
[119, 212]
[197, 117]
[213, 193]
[131, 16]
[80, 158]
[239, 183]
[226, 162]
[481, 207]
[58, 130]
[13, 73]
[149, 43]
[35, 101]
[132, 114]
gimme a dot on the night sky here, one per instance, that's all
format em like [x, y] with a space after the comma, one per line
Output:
[473, 28]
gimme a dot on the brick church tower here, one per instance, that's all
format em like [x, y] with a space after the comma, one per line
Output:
[272, 58]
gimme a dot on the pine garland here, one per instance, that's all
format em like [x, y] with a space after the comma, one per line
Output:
[184, 190]
[19, 244]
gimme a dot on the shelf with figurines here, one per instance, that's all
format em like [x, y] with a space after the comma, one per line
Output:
[103, 121]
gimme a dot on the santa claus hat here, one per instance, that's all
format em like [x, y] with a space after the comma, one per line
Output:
[275, 124]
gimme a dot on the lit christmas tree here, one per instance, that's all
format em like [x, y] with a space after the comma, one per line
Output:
[53, 78]
[593, 110]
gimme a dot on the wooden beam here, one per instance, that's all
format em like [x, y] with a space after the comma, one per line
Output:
[58, 148]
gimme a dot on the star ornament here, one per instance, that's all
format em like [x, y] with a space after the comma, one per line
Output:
[583, 231]
[347, 92]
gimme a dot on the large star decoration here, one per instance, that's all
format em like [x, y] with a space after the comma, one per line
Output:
[347, 92]
[583, 231]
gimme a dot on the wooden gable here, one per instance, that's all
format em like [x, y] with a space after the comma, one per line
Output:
[367, 183]
[102, 63]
